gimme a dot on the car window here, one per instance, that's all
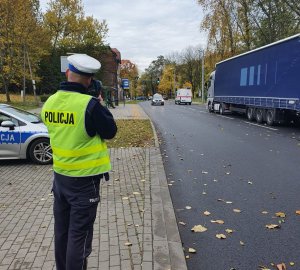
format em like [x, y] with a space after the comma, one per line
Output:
[4, 117]
[157, 96]
[27, 116]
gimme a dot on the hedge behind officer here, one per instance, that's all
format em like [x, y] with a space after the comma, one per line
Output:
[77, 124]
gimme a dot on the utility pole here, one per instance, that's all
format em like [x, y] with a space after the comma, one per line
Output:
[201, 57]
[24, 78]
[202, 76]
[33, 81]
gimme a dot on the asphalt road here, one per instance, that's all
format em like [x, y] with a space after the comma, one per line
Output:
[220, 163]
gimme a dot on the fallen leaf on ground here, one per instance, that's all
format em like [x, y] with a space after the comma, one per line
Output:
[221, 236]
[219, 221]
[182, 223]
[206, 213]
[229, 231]
[265, 212]
[298, 212]
[250, 183]
[272, 226]
[125, 198]
[280, 214]
[227, 173]
[203, 172]
[136, 193]
[242, 243]
[261, 267]
[187, 256]
[199, 228]
[170, 184]
[292, 263]
[128, 244]
[188, 207]
[229, 202]
[237, 210]
[191, 250]
[204, 193]
[281, 266]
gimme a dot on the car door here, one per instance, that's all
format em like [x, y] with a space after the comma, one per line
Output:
[9, 138]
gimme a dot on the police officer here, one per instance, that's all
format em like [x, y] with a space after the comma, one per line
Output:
[77, 125]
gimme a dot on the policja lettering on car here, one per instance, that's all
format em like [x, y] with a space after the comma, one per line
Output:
[58, 117]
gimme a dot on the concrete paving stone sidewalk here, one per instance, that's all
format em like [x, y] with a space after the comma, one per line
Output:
[135, 208]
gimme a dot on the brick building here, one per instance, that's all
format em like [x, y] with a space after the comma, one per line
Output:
[110, 60]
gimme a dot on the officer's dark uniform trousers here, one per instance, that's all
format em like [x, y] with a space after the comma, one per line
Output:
[75, 198]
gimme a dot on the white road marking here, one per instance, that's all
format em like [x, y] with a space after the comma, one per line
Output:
[258, 125]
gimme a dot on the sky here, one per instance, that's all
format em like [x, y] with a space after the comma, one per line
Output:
[144, 29]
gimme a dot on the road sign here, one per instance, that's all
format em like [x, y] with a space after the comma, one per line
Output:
[125, 83]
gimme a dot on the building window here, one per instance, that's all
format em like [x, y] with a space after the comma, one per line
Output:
[243, 79]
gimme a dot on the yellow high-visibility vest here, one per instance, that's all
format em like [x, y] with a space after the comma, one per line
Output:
[75, 153]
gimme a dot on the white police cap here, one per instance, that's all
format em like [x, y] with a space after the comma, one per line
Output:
[83, 64]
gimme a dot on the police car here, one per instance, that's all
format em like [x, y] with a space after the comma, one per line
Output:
[23, 135]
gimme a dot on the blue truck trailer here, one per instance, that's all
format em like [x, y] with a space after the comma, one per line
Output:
[263, 84]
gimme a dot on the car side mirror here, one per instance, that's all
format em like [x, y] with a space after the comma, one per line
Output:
[8, 124]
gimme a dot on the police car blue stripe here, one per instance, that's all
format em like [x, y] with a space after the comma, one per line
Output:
[10, 137]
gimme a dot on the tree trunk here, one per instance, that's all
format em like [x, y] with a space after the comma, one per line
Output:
[6, 92]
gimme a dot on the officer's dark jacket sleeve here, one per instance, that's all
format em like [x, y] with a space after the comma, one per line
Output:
[99, 120]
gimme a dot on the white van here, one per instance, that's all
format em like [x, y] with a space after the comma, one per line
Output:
[183, 95]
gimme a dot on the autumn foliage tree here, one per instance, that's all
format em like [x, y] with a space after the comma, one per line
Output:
[23, 41]
[129, 71]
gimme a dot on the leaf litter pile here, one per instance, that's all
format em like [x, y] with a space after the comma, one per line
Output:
[279, 216]
[132, 133]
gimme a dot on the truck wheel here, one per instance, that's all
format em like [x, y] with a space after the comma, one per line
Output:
[250, 114]
[221, 109]
[259, 115]
[40, 151]
[270, 117]
[210, 107]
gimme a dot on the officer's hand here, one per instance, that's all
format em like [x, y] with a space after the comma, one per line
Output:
[100, 98]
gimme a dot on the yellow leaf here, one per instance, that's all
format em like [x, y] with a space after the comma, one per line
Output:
[237, 210]
[187, 256]
[261, 267]
[298, 212]
[221, 236]
[242, 243]
[136, 193]
[128, 244]
[182, 223]
[292, 263]
[280, 214]
[191, 250]
[272, 226]
[229, 231]
[125, 198]
[206, 213]
[219, 221]
[199, 228]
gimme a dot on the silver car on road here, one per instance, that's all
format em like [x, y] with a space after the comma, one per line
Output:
[23, 135]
